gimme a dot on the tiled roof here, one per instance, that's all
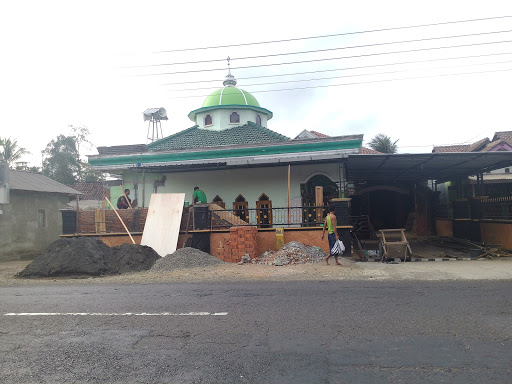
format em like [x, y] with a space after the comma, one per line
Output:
[505, 135]
[318, 134]
[28, 181]
[493, 144]
[477, 146]
[195, 137]
[452, 148]
[368, 151]
[90, 190]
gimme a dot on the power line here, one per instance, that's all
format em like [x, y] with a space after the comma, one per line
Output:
[358, 83]
[343, 69]
[320, 50]
[327, 59]
[355, 75]
[337, 34]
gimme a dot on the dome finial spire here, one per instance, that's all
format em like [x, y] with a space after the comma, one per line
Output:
[230, 79]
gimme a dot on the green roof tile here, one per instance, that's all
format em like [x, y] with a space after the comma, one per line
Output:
[195, 137]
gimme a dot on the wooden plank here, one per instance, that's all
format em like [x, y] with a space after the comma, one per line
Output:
[121, 220]
[319, 202]
[163, 222]
[226, 215]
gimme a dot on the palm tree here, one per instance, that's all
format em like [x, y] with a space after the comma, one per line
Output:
[383, 143]
[10, 152]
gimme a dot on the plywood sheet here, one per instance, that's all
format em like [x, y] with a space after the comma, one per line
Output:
[163, 222]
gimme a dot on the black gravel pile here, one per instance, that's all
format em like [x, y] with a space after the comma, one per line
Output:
[91, 257]
[185, 258]
[134, 257]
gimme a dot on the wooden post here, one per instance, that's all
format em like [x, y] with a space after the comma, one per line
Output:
[319, 202]
[288, 193]
[121, 220]
[143, 187]
[77, 220]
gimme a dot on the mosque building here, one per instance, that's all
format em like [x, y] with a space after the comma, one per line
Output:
[232, 155]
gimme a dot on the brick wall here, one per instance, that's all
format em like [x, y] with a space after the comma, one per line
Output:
[231, 246]
[134, 219]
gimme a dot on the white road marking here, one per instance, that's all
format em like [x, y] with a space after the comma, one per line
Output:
[114, 314]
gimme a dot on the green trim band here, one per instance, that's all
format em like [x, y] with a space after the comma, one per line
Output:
[222, 153]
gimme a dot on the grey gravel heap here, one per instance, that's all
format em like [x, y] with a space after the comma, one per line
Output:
[185, 258]
[292, 253]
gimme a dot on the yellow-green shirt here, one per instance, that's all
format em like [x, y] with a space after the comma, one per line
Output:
[329, 224]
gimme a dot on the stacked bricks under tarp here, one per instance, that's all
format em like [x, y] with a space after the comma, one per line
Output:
[242, 241]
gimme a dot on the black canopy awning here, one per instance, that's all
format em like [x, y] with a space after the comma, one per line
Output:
[423, 166]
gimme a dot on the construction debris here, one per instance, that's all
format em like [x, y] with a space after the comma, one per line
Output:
[185, 258]
[473, 248]
[292, 253]
[89, 256]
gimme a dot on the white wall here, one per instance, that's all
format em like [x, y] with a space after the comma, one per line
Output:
[228, 184]
[221, 118]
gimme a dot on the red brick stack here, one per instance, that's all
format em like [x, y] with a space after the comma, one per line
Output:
[242, 241]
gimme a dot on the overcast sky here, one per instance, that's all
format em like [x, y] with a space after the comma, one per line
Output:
[100, 64]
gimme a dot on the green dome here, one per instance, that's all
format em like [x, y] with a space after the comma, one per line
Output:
[230, 96]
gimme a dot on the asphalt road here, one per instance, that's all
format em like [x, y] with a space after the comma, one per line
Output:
[272, 332]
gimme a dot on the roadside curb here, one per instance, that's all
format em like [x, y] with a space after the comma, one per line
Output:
[424, 259]
[421, 259]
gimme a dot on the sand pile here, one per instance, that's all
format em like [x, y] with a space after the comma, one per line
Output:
[292, 253]
[185, 258]
[90, 256]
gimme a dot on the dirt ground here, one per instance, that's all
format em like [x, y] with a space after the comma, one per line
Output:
[495, 269]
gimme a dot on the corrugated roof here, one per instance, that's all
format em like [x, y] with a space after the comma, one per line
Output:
[195, 137]
[91, 190]
[122, 149]
[28, 181]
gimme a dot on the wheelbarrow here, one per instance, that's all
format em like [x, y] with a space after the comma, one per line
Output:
[394, 245]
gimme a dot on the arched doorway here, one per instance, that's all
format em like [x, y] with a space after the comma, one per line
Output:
[307, 189]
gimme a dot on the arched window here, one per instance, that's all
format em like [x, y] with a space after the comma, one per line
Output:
[218, 200]
[234, 118]
[258, 120]
[240, 208]
[264, 211]
[208, 120]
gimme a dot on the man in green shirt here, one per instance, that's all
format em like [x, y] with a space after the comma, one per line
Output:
[199, 196]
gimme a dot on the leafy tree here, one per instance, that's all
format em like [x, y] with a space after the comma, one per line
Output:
[62, 161]
[81, 134]
[10, 152]
[383, 143]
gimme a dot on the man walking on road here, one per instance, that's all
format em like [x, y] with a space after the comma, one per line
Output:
[330, 223]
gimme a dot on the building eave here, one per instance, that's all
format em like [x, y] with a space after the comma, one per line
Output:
[261, 153]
